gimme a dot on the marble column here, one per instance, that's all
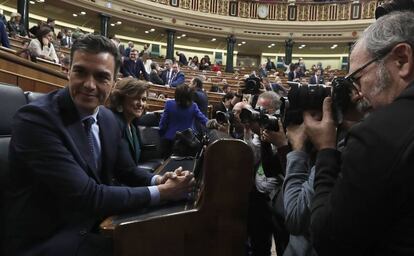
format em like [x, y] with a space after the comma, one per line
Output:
[23, 9]
[170, 44]
[104, 23]
[288, 50]
[231, 40]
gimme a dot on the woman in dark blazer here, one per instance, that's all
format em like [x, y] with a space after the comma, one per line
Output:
[128, 102]
[179, 115]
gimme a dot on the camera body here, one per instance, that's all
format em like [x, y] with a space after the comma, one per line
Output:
[310, 97]
[266, 121]
[251, 85]
[224, 117]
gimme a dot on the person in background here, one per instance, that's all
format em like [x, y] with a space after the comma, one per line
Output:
[182, 60]
[270, 65]
[179, 114]
[15, 27]
[216, 67]
[65, 64]
[200, 97]
[4, 39]
[133, 66]
[154, 77]
[67, 39]
[50, 22]
[129, 48]
[177, 77]
[317, 78]
[204, 64]
[42, 46]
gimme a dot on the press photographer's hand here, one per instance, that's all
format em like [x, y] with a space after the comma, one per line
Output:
[297, 136]
[276, 138]
[322, 133]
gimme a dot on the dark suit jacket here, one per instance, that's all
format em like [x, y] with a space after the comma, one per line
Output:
[363, 202]
[201, 99]
[134, 69]
[130, 139]
[182, 59]
[155, 78]
[313, 80]
[164, 75]
[56, 197]
[64, 41]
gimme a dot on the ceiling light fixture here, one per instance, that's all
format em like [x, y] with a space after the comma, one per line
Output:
[146, 31]
[178, 37]
[32, 2]
[152, 29]
[75, 15]
[82, 13]
[243, 42]
[213, 39]
[113, 24]
[119, 22]
[239, 44]
[183, 35]
[273, 44]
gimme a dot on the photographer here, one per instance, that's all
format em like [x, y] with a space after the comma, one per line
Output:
[299, 181]
[363, 202]
[266, 210]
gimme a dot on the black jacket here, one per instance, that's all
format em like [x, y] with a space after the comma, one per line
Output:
[364, 198]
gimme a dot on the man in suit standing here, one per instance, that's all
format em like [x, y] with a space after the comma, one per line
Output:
[177, 77]
[66, 173]
[294, 74]
[317, 78]
[133, 66]
[66, 41]
[181, 58]
[200, 97]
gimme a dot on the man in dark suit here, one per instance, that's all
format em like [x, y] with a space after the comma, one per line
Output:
[67, 39]
[166, 74]
[294, 74]
[317, 78]
[200, 97]
[182, 59]
[177, 77]
[133, 66]
[66, 173]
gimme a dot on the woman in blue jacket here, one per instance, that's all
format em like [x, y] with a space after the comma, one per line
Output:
[179, 114]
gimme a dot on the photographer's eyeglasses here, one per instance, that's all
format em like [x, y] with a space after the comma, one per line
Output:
[351, 77]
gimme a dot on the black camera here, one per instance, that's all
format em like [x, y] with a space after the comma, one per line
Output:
[266, 121]
[224, 117]
[310, 97]
[251, 85]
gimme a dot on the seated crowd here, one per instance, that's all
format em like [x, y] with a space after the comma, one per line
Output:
[325, 183]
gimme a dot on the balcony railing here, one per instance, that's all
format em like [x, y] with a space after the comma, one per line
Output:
[281, 11]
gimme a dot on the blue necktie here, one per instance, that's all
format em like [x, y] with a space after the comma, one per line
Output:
[87, 123]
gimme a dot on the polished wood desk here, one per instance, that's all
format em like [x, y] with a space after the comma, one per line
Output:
[213, 224]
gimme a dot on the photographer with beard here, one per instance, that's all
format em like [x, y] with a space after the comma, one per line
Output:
[364, 198]
[300, 172]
